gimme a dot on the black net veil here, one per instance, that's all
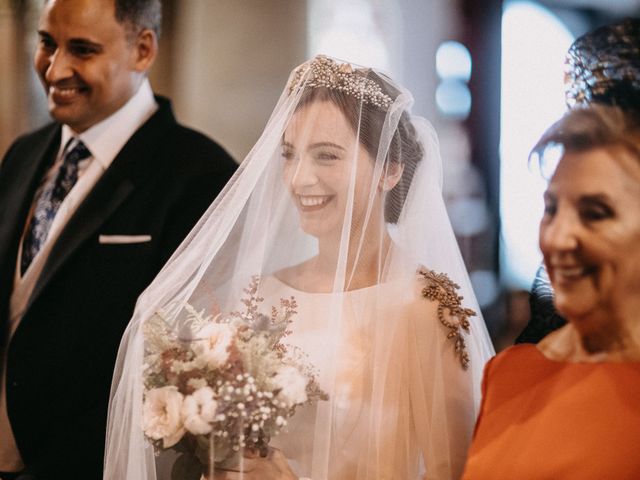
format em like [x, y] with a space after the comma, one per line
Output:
[333, 234]
[603, 66]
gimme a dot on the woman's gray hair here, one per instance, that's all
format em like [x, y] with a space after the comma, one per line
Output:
[592, 126]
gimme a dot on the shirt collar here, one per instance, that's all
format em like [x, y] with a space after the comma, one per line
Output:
[106, 138]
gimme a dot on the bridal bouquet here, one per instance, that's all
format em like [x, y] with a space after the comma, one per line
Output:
[222, 384]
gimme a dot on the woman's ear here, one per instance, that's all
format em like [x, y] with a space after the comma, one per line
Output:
[391, 177]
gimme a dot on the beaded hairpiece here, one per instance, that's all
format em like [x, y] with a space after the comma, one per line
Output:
[324, 72]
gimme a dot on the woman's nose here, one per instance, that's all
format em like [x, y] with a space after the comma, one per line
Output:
[559, 234]
[304, 174]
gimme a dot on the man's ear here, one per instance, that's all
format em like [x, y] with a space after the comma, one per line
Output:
[392, 176]
[146, 49]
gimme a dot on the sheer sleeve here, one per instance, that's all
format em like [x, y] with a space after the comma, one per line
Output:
[442, 392]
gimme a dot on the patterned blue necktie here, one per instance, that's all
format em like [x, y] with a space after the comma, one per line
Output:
[53, 193]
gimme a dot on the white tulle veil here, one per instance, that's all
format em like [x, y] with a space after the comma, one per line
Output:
[339, 204]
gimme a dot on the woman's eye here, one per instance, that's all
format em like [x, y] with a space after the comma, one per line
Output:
[288, 155]
[327, 156]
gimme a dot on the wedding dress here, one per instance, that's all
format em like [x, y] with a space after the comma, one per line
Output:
[338, 211]
[410, 389]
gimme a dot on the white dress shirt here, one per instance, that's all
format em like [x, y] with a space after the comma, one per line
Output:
[104, 140]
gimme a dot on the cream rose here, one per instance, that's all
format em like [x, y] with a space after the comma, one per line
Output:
[199, 411]
[161, 415]
[213, 346]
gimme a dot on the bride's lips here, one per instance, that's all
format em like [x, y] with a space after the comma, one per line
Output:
[311, 203]
[64, 95]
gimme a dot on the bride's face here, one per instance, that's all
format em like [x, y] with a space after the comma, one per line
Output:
[325, 168]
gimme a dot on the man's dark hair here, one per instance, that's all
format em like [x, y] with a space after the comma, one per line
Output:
[139, 14]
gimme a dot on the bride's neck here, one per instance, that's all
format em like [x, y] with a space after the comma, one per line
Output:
[365, 257]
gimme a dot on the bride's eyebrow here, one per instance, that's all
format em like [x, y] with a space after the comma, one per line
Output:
[327, 144]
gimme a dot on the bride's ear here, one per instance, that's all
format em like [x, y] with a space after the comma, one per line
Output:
[391, 177]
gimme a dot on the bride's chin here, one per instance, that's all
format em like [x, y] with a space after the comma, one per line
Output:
[314, 232]
[318, 227]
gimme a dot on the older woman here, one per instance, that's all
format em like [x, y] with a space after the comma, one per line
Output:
[569, 407]
[602, 67]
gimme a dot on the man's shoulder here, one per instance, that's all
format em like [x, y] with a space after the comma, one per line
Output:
[43, 133]
[195, 140]
[188, 150]
[176, 131]
[28, 143]
[177, 141]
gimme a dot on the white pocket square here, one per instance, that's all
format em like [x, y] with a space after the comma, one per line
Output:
[122, 239]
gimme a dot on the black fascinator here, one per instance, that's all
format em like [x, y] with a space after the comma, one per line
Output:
[603, 66]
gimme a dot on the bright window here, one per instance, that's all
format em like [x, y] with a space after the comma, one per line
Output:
[534, 43]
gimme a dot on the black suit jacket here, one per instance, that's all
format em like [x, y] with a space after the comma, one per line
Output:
[60, 359]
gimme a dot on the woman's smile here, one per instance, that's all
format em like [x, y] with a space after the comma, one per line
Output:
[569, 274]
[312, 203]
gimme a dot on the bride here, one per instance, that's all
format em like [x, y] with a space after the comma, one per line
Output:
[338, 206]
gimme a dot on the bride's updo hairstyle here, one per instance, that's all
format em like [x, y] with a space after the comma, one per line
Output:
[367, 116]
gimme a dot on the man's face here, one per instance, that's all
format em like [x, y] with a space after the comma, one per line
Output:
[88, 66]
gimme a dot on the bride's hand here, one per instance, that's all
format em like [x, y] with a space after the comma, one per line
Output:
[272, 467]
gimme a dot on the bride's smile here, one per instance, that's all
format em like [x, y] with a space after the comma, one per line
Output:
[310, 203]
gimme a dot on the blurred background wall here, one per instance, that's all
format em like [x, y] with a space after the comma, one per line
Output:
[488, 74]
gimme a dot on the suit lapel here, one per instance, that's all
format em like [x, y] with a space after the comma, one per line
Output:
[24, 182]
[130, 167]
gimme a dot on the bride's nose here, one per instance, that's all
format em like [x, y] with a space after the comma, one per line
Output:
[305, 173]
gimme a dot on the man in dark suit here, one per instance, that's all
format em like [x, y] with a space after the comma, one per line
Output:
[91, 207]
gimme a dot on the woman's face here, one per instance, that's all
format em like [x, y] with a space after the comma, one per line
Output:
[324, 168]
[590, 232]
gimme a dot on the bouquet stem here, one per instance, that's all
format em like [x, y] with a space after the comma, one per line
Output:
[212, 458]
